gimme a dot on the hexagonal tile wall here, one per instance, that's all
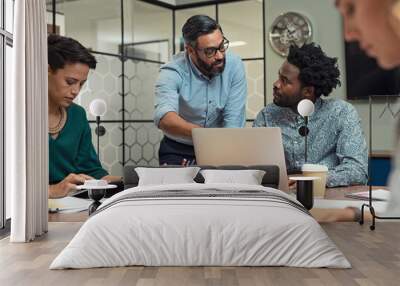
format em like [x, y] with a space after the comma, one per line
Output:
[110, 147]
[255, 87]
[142, 141]
[105, 83]
[140, 82]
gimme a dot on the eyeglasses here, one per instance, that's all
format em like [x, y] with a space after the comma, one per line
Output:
[211, 51]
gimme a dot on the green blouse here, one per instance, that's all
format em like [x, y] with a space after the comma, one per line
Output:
[72, 151]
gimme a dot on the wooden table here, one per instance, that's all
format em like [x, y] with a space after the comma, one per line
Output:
[68, 217]
[330, 194]
[340, 192]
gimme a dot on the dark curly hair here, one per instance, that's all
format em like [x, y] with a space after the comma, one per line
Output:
[316, 68]
[196, 26]
[63, 50]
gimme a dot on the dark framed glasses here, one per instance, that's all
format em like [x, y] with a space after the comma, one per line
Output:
[211, 51]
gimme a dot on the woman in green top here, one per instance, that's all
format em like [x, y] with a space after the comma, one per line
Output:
[72, 158]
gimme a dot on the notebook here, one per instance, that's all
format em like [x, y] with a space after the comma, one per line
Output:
[69, 205]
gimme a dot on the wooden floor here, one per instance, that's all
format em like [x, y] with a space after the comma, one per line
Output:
[375, 256]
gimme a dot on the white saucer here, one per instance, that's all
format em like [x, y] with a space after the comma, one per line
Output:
[85, 187]
[300, 178]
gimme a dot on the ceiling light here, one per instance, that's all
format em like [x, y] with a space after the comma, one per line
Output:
[237, 44]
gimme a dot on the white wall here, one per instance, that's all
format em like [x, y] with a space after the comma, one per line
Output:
[149, 23]
[95, 23]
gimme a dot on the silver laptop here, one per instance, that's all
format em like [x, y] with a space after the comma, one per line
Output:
[241, 146]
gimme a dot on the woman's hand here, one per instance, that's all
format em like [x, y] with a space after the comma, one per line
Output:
[112, 179]
[67, 185]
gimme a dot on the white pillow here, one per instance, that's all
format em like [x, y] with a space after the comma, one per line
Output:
[248, 177]
[166, 176]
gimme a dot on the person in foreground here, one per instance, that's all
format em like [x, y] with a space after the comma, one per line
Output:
[205, 86]
[335, 136]
[375, 25]
[72, 158]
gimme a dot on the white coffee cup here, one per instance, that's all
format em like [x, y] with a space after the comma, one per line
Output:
[320, 171]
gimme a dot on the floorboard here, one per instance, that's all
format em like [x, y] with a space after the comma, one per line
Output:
[375, 257]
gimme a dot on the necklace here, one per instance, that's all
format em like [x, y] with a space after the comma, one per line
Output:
[60, 125]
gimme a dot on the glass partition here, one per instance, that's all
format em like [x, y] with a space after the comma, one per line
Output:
[382, 134]
[142, 141]
[9, 16]
[242, 23]
[129, 62]
[6, 64]
[2, 135]
[181, 17]
[1, 15]
[105, 83]
[147, 31]
[140, 78]
[8, 80]
[110, 149]
[96, 24]
[255, 87]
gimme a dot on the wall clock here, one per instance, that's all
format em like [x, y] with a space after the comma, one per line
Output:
[288, 29]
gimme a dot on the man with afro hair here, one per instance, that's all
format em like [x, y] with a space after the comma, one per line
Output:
[335, 136]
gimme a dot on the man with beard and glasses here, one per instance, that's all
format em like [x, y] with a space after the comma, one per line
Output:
[335, 136]
[205, 86]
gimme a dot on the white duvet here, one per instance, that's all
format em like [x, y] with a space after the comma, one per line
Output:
[190, 230]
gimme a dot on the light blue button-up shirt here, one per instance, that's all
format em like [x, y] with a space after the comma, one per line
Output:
[216, 102]
[335, 139]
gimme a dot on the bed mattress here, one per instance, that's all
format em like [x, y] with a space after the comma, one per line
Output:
[201, 225]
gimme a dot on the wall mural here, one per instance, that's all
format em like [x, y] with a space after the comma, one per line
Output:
[142, 139]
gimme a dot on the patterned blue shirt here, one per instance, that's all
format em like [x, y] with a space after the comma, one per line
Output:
[216, 102]
[335, 140]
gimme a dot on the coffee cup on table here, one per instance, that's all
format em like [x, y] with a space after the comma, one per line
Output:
[320, 171]
[304, 190]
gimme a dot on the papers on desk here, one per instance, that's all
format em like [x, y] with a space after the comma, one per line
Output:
[377, 195]
[78, 192]
[68, 205]
[380, 206]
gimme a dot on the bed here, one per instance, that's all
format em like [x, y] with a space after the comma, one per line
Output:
[198, 224]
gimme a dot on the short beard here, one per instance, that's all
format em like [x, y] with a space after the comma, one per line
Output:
[287, 101]
[209, 69]
[282, 104]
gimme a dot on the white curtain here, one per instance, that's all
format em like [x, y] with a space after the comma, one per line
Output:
[26, 123]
